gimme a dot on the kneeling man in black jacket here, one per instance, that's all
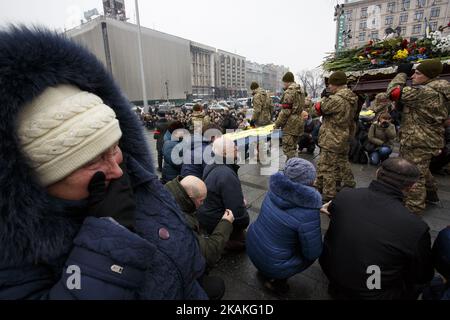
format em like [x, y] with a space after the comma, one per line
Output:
[375, 248]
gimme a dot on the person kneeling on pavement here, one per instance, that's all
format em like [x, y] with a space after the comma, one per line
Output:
[224, 192]
[286, 238]
[375, 248]
[380, 139]
[189, 193]
[80, 199]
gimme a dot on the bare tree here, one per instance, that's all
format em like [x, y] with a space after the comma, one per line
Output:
[312, 81]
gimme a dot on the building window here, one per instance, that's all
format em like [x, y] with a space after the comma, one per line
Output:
[404, 18]
[363, 25]
[418, 15]
[433, 26]
[362, 36]
[435, 12]
[389, 20]
[391, 7]
[421, 3]
[374, 35]
[364, 13]
[348, 15]
[417, 28]
[403, 32]
[406, 4]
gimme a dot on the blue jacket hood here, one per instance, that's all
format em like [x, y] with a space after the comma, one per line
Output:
[287, 194]
[32, 60]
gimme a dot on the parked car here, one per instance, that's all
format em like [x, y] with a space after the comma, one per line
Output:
[188, 106]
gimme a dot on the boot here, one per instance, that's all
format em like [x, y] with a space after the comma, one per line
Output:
[432, 197]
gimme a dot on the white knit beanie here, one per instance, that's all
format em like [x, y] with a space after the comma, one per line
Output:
[63, 129]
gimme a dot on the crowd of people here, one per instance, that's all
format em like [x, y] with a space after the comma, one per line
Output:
[80, 197]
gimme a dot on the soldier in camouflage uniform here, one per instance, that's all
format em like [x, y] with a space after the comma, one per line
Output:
[424, 111]
[290, 119]
[338, 112]
[262, 106]
[262, 116]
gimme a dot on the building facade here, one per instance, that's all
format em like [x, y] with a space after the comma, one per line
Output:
[266, 75]
[361, 21]
[167, 58]
[203, 71]
[230, 75]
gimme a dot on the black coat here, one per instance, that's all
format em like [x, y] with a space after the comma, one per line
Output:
[224, 192]
[161, 128]
[371, 226]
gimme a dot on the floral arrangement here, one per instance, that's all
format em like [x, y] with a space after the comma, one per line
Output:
[390, 52]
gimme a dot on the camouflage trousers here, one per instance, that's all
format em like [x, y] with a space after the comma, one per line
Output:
[290, 146]
[416, 197]
[331, 168]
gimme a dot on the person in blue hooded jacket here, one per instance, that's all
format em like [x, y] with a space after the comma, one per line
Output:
[286, 237]
[82, 214]
[173, 140]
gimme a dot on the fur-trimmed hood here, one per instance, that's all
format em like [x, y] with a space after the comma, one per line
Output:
[287, 194]
[31, 230]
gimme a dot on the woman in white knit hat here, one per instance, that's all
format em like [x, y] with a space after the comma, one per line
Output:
[82, 214]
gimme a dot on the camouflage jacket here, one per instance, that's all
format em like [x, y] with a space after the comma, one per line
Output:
[424, 112]
[262, 106]
[338, 113]
[199, 120]
[293, 103]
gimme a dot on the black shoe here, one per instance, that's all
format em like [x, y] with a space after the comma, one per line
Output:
[159, 169]
[213, 286]
[432, 197]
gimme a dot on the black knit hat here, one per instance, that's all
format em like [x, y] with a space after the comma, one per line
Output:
[254, 85]
[288, 77]
[431, 68]
[338, 78]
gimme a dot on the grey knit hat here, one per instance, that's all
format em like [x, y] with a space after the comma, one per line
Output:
[300, 171]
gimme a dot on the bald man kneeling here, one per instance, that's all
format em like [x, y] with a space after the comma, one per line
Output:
[189, 193]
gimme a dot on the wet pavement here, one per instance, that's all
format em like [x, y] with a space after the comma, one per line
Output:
[239, 273]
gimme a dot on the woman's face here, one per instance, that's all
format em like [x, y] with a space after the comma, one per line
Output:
[75, 186]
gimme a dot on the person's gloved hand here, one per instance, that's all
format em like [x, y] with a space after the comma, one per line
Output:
[406, 68]
[325, 93]
[115, 201]
[252, 123]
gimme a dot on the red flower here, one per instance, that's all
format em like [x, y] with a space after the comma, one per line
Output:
[448, 25]
[404, 44]
[422, 50]
[371, 42]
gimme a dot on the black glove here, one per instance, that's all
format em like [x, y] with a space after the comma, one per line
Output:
[325, 93]
[116, 201]
[252, 123]
[406, 68]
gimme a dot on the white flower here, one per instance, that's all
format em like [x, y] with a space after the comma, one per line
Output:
[434, 42]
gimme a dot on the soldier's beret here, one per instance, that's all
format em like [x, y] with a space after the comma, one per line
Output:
[431, 68]
[254, 85]
[338, 78]
[288, 77]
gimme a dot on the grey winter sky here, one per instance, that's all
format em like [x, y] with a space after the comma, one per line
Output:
[294, 33]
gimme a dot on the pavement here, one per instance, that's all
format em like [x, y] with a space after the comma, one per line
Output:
[239, 273]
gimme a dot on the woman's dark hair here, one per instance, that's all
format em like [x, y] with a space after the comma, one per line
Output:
[174, 126]
[398, 172]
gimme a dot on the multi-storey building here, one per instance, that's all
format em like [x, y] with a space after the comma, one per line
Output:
[202, 70]
[230, 75]
[360, 21]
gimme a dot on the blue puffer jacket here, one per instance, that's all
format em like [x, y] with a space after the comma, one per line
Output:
[286, 238]
[43, 249]
[171, 170]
